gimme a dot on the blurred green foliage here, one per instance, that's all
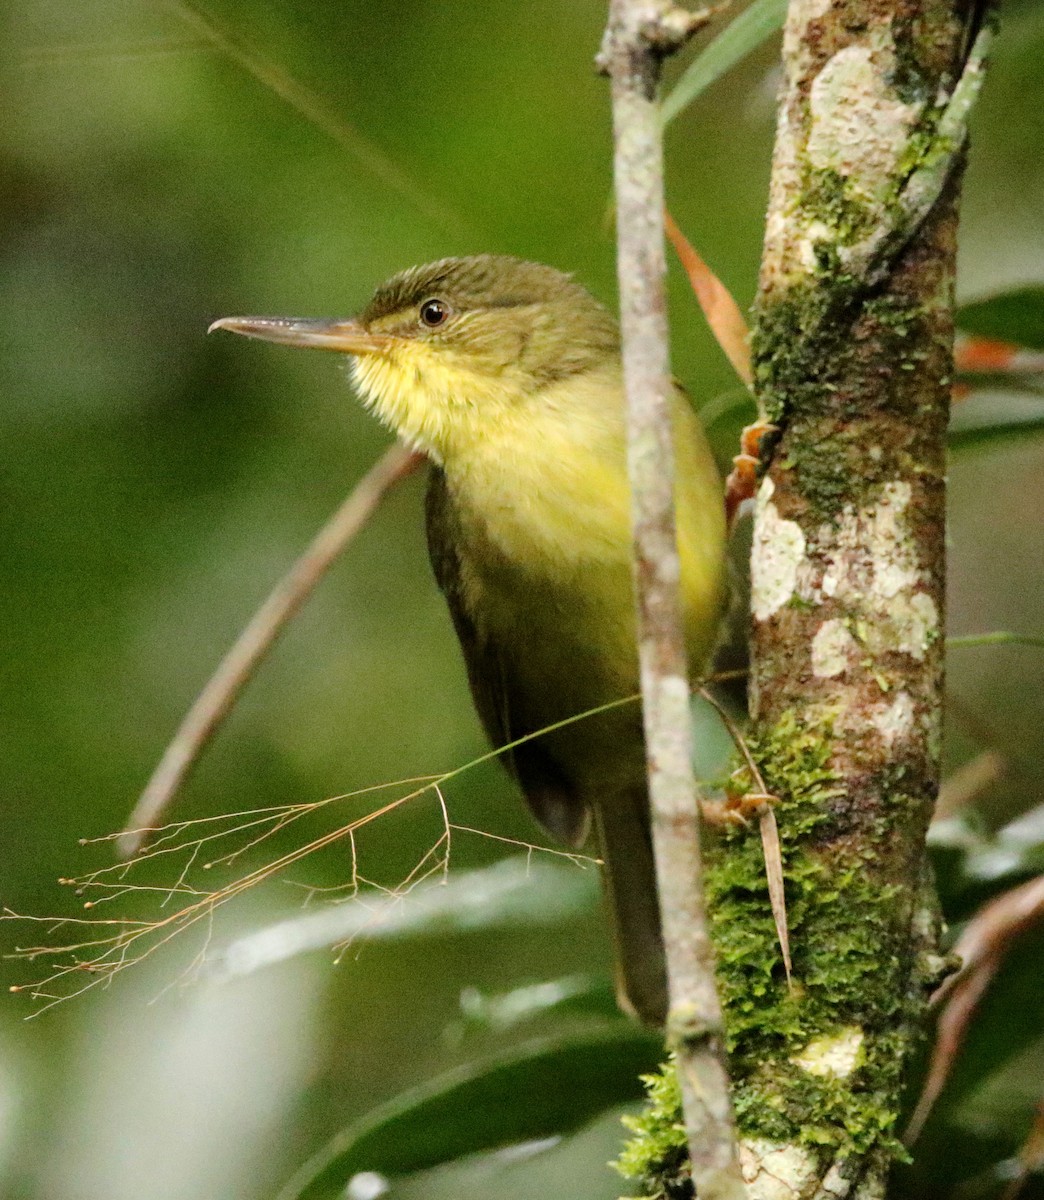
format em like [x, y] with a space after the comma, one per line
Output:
[154, 484]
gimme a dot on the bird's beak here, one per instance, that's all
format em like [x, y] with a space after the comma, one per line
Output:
[316, 333]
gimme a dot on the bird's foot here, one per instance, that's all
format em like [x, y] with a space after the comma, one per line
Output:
[743, 478]
[735, 809]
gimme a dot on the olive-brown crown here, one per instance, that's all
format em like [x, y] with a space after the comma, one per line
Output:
[497, 311]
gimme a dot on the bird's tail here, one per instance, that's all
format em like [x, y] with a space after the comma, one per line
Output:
[625, 843]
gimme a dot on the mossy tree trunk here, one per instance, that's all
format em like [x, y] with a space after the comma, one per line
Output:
[853, 358]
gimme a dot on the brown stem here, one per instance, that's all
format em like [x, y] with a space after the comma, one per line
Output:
[981, 949]
[217, 698]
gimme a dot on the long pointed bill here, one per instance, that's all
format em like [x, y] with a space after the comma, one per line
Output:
[314, 333]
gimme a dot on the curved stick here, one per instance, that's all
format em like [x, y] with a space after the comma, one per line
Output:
[218, 697]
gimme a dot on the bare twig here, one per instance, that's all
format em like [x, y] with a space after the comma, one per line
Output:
[222, 689]
[639, 34]
[981, 947]
[968, 782]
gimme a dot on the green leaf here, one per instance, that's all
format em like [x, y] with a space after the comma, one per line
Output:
[986, 436]
[1016, 316]
[576, 1166]
[996, 637]
[991, 418]
[990, 863]
[742, 35]
[543, 1090]
[570, 995]
[515, 892]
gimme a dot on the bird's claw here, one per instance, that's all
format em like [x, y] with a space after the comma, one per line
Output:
[740, 485]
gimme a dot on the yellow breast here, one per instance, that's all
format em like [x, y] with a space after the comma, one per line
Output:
[540, 483]
[546, 500]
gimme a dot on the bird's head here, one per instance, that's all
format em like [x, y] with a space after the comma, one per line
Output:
[445, 351]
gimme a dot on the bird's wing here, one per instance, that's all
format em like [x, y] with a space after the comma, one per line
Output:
[548, 792]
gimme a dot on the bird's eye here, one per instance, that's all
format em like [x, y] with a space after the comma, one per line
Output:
[434, 313]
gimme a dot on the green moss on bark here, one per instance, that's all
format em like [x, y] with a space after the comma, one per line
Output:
[850, 933]
[657, 1156]
[828, 198]
[849, 960]
[807, 348]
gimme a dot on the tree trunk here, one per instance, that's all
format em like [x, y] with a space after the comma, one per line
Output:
[853, 358]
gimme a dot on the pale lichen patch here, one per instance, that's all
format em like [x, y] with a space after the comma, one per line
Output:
[917, 625]
[832, 649]
[859, 132]
[873, 569]
[837, 1185]
[859, 126]
[894, 560]
[775, 1170]
[894, 721]
[834, 1055]
[778, 552]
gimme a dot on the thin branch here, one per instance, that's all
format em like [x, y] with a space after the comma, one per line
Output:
[639, 34]
[219, 695]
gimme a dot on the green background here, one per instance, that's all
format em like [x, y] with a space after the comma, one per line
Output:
[154, 483]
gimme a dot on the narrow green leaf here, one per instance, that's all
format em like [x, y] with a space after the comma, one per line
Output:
[996, 637]
[524, 891]
[962, 440]
[572, 994]
[545, 1089]
[994, 417]
[1016, 316]
[742, 35]
[995, 859]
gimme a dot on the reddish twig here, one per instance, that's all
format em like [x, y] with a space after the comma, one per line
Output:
[982, 947]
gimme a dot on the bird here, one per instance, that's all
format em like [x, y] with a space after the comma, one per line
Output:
[506, 375]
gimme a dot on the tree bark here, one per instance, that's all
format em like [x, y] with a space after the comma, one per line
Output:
[853, 360]
[852, 352]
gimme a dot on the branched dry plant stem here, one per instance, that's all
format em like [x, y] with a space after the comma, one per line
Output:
[639, 34]
[217, 699]
[102, 947]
